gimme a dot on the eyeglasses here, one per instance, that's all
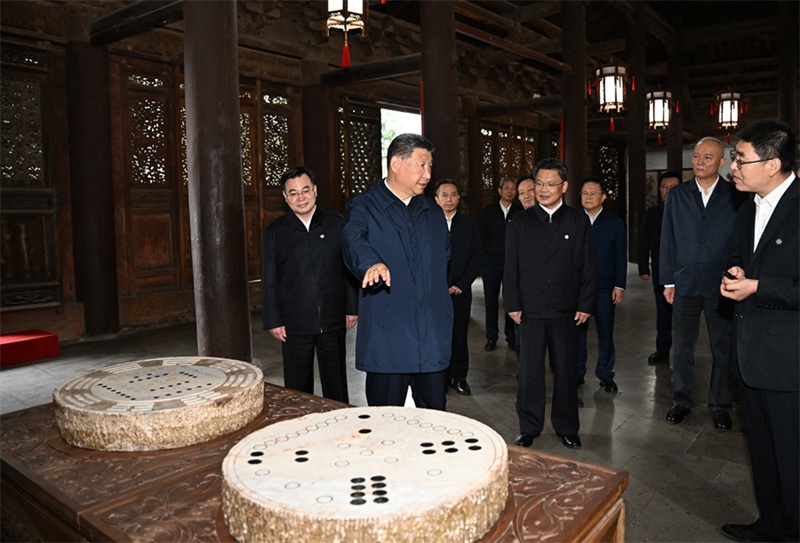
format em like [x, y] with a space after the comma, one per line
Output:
[294, 194]
[735, 158]
[540, 185]
[591, 194]
[667, 187]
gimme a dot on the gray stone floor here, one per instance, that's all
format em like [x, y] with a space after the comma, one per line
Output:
[685, 480]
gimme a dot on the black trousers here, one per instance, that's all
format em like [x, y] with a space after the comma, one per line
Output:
[772, 427]
[427, 389]
[298, 364]
[663, 320]
[459, 359]
[559, 337]
[492, 282]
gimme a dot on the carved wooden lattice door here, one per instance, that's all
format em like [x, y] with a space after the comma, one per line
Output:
[359, 148]
[29, 213]
[508, 151]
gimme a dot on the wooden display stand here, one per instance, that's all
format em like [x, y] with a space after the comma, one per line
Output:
[55, 492]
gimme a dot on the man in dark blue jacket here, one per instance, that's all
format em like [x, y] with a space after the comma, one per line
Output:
[396, 242]
[696, 233]
[550, 288]
[309, 299]
[611, 247]
[464, 267]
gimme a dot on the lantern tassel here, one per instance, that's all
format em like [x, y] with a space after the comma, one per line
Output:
[659, 139]
[677, 106]
[345, 53]
[729, 138]
[633, 83]
[611, 125]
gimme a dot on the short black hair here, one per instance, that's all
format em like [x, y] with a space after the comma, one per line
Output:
[524, 177]
[404, 145]
[667, 174]
[297, 171]
[772, 138]
[551, 164]
[596, 179]
[446, 182]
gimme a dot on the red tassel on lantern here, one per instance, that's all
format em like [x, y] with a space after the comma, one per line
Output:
[711, 108]
[633, 83]
[741, 108]
[589, 88]
[659, 139]
[729, 137]
[611, 125]
[677, 106]
[345, 53]
[747, 105]
[383, 1]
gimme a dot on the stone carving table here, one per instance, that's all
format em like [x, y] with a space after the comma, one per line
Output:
[52, 491]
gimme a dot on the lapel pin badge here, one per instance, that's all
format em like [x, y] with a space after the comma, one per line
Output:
[566, 236]
[779, 241]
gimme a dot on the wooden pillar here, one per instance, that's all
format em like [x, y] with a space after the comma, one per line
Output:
[788, 77]
[216, 197]
[474, 157]
[319, 132]
[675, 130]
[439, 57]
[94, 243]
[573, 90]
[637, 129]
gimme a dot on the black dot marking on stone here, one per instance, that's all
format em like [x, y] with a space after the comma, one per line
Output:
[377, 478]
[379, 493]
[301, 459]
[475, 447]
[364, 416]
[358, 487]
[357, 480]
[358, 502]
[428, 451]
[471, 440]
[254, 461]
[301, 453]
[257, 453]
[448, 443]
[364, 431]
[357, 494]
[426, 444]
[378, 485]
[451, 450]
[381, 500]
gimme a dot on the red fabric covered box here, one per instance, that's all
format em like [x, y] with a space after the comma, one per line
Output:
[26, 346]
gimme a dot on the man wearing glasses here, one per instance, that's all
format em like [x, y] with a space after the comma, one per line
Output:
[549, 288]
[649, 241]
[762, 278]
[696, 233]
[309, 298]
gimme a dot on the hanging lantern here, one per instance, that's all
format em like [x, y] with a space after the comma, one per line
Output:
[346, 15]
[728, 105]
[611, 88]
[658, 105]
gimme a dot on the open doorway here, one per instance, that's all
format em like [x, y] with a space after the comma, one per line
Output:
[394, 123]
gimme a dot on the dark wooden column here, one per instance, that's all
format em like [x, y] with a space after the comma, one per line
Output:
[474, 157]
[319, 131]
[788, 77]
[675, 130]
[94, 249]
[216, 198]
[437, 21]
[573, 89]
[637, 129]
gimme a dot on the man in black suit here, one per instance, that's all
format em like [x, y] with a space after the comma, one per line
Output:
[696, 233]
[463, 268]
[649, 240]
[309, 299]
[493, 234]
[763, 281]
[550, 288]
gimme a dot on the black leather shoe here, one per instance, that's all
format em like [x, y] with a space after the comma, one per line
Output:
[609, 385]
[524, 440]
[462, 387]
[490, 345]
[571, 441]
[677, 414]
[722, 420]
[745, 532]
[657, 358]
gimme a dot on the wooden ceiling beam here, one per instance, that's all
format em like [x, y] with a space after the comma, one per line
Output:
[371, 71]
[521, 106]
[134, 19]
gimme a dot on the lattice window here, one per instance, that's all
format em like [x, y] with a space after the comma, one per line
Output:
[246, 125]
[148, 141]
[609, 170]
[276, 148]
[359, 148]
[22, 157]
[184, 164]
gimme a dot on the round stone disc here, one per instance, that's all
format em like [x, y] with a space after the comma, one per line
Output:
[162, 403]
[366, 474]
